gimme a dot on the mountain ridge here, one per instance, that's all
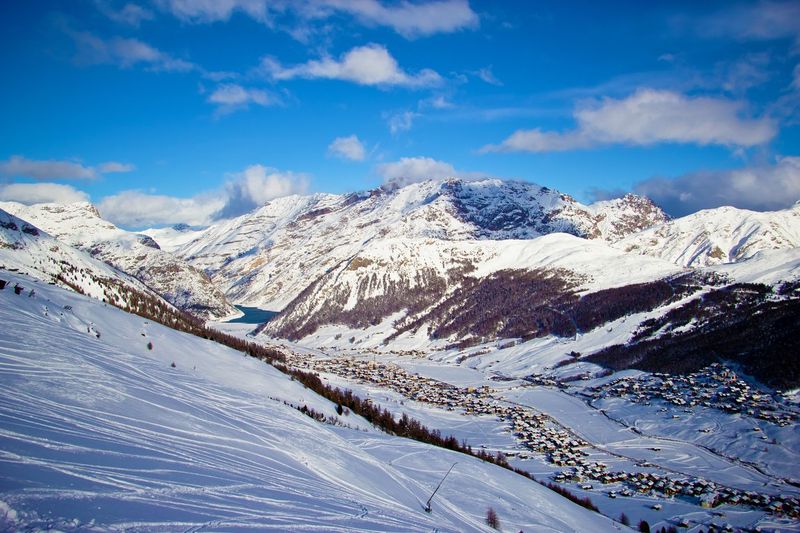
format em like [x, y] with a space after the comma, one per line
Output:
[267, 257]
[81, 225]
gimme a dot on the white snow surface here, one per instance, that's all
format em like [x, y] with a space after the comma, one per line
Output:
[716, 236]
[100, 434]
[173, 238]
[384, 265]
[769, 267]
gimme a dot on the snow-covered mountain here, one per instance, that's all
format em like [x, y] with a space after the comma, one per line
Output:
[111, 433]
[174, 237]
[423, 263]
[268, 257]
[717, 236]
[26, 248]
[421, 285]
[81, 226]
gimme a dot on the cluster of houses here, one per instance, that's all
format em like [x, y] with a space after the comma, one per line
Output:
[715, 386]
[534, 430]
[708, 493]
[538, 432]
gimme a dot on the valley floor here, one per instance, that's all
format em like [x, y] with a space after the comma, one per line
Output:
[659, 440]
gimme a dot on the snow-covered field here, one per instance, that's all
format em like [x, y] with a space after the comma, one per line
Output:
[624, 437]
[98, 432]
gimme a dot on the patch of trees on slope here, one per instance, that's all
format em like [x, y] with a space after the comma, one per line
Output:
[530, 304]
[511, 303]
[753, 325]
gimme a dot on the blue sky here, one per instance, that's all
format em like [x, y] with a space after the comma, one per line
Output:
[166, 111]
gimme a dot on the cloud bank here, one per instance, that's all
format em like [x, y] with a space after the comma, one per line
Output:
[137, 209]
[243, 192]
[126, 53]
[231, 97]
[409, 170]
[40, 193]
[758, 187]
[257, 185]
[649, 117]
[409, 19]
[50, 169]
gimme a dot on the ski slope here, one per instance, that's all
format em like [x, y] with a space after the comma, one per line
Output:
[98, 432]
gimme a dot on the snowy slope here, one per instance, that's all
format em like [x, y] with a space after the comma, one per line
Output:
[769, 267]
[267, 257]
[716, 236]
[394, 282]
[26, 248]
[173, 238]
[175, 280]
[105, 434]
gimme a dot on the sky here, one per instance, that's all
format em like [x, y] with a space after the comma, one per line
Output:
[191, 111]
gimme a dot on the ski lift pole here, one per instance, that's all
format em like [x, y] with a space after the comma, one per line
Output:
[428, 503]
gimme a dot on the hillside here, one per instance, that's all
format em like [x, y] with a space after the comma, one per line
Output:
[81, 226]
[104, 433]
[26, 248]
[717, 236]
[428, 288]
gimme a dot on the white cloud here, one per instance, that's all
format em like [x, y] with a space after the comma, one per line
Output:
[401, 121]
[536, 140]
[754, 21]
[649, 117]
[243, 192]
[765, 187]
[38, 193]
[49, 169]
[257, 185]
[126, 53]
[747, 72]
[436, 102]
[348, 148]
[136, 209]
[130, 14]
[488, 76]
[411, 19]
[413, 169]
[21, 167]
[365, 65]
[230, 97]
[111, 167]
[206, 11]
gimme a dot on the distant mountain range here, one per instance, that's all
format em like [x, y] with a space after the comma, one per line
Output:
[450, 264]
[269, 256]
